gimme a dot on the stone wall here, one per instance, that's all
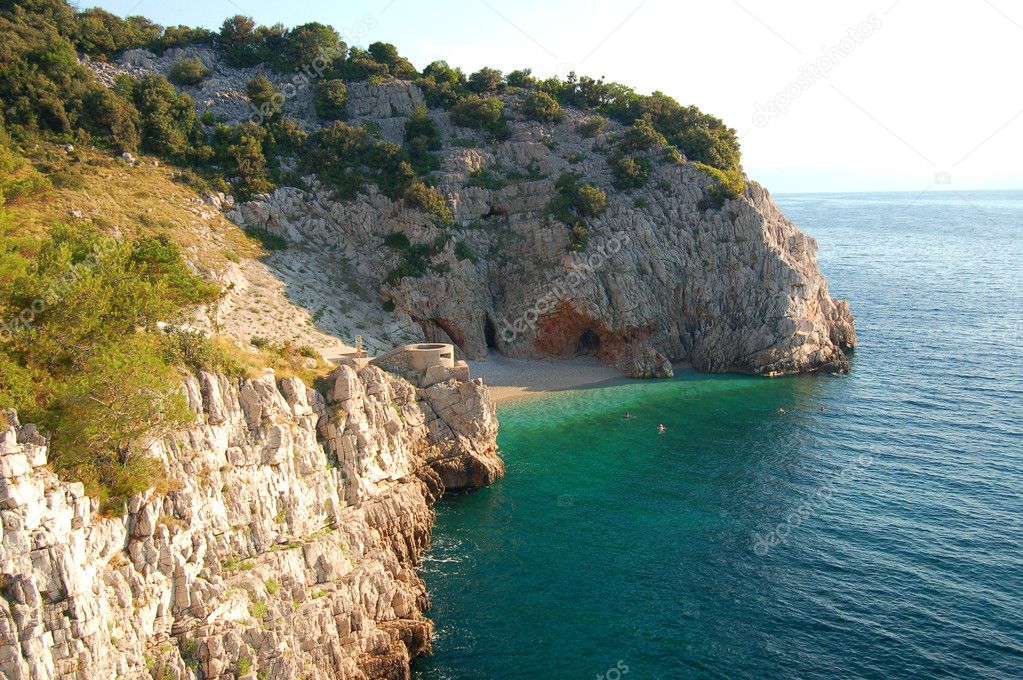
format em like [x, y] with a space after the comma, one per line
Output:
[287, 549]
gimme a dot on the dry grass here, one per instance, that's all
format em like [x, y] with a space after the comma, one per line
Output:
[287, 360]
[150, 198]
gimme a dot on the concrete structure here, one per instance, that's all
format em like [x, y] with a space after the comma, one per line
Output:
[426, 354]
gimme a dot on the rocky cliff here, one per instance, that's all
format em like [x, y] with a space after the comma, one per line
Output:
[668, 275]
[286, 548]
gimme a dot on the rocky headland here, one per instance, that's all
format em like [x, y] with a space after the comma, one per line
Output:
[667, 276]
[287, 549]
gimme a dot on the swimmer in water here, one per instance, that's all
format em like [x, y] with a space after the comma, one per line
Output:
[661, 428]
[627, 416]
[781, 411]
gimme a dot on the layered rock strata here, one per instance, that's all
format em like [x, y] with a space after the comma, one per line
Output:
[287, 547]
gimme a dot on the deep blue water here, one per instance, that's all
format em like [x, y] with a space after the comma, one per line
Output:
[610, 551]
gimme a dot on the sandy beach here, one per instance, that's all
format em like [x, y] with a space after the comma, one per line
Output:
[510, 379]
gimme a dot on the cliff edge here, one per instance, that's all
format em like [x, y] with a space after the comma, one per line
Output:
[287, 548]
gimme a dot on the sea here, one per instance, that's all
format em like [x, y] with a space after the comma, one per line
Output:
[861, 526]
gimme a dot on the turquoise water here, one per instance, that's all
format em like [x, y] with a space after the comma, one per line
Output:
[611, 551]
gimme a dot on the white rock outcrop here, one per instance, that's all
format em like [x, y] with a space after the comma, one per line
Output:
[286, 549]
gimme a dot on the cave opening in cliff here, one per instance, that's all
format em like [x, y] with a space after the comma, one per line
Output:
[490, 333]
[449, 329]
[588, 344]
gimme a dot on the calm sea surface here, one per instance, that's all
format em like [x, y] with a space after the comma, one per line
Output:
[880, 537]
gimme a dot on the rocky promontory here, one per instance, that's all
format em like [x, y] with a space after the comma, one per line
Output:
[668, 274]
[286, 546]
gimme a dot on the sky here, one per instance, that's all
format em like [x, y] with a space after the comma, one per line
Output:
[863, 95]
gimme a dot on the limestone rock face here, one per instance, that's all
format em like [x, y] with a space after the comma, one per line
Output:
[662, 280]
[287, 550]
[667, 275]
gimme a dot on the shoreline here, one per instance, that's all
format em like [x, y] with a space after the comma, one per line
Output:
[510, 380]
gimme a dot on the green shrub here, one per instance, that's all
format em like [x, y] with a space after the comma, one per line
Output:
[429, 200]
[288, 135]
[542, 107]
[464, 252]
[182, 36]
[361, 65]
[486, 179]
[441, 84]
[101, 33]
[104, 417]
[329, 97]
[100, 383]
[422, 138]
[262, 94]
[642, 136]
[573, 203]
[112, 119]
[18, 179]
[590, 201]
[592, 126]
[170, 126]
[188, 72]
[480, 113]
[241, 151]
[521, 78]
[196, 352]
[239, 41]
[310, 44]
[727, 185]
[485, 81]
[630, 172]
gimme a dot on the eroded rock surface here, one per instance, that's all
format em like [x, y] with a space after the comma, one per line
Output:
[288, 549]
[666, 277]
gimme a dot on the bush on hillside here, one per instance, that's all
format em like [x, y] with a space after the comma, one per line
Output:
[592, 126]
[239, 42]
[329, 98]
[727, 185]
[429, 200]
[542, 107]
[520, 78]
[188, 72]
[100, 33]
[629, 172]
[480, 113]
[170, 126]
[573, 202]
[311, 44]
[422, 138]
[441, 84]
[485, 81]
[261, 91]
[91, 367]
[642, 136]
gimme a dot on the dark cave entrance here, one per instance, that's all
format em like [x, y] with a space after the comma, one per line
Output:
[588, 344]
[449, 329]
[490, 333]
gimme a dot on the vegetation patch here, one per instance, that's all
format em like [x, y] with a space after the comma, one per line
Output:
[188, 72]
[573, 203]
